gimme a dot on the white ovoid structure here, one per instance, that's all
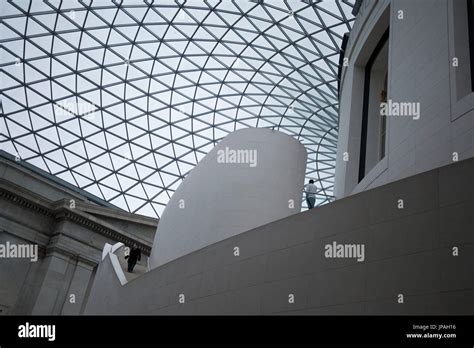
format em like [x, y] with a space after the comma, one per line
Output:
[252, 177]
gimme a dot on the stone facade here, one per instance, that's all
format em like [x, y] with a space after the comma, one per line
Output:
[425, 39]
[70, 231]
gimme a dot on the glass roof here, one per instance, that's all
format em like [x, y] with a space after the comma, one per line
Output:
[122, 99]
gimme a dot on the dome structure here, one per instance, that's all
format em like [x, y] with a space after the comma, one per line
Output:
[123, 99]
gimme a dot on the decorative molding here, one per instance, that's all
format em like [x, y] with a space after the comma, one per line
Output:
[24, 202]
[61, 213]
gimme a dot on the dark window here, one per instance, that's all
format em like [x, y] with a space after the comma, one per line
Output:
[383, 119]
[373, 135]
[470, 22]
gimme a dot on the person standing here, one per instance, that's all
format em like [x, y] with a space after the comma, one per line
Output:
[311, 190]
[134, 256]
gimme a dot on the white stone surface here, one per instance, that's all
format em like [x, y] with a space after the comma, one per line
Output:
[219, 200]
[420, 51]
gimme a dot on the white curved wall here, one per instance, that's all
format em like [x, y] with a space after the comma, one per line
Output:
[219, 200]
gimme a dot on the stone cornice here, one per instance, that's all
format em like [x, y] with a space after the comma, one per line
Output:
[59, 212]
[116, 214]
[24, 202]
[79, 219]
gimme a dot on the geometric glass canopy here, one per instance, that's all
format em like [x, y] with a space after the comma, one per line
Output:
[122, 99]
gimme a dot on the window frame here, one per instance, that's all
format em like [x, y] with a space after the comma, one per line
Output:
[365, 107]
[460, 28]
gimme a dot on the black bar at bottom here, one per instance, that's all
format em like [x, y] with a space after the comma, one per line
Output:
[138, 330]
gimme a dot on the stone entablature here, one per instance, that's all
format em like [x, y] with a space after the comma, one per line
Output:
[69, 232]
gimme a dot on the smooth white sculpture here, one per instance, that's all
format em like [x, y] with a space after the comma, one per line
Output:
[250, 178]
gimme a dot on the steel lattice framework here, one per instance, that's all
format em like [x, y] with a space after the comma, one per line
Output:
[122, 99]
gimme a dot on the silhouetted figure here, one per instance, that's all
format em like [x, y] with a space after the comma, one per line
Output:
[134, 256]
[310, 190]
